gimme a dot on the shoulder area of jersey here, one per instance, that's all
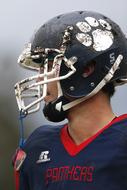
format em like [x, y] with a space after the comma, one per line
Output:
[121, 122]
[44, 135]
[45, 130]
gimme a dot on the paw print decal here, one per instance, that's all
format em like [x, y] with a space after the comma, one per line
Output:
[95, 33]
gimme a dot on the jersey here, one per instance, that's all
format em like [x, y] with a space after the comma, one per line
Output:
[54, 162]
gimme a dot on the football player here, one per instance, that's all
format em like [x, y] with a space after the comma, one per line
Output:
[79, 58]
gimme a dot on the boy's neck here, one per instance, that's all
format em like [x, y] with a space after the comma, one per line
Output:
[89, 117]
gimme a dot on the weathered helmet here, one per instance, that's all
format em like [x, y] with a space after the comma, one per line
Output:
[72, 41]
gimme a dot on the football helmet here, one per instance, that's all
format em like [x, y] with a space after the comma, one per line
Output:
[71, 42]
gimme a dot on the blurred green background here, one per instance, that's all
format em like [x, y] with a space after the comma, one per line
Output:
[18, 21]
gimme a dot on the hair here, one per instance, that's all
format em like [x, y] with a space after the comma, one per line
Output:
[109, 89]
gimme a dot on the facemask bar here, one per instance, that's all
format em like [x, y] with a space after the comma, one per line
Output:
[23, 92]
[29, 88]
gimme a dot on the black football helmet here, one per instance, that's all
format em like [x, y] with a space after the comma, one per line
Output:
[72, 41]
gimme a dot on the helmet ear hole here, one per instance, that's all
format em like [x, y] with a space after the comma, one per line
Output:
[89, 69]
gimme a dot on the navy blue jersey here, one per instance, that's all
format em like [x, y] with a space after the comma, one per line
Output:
[54, 162]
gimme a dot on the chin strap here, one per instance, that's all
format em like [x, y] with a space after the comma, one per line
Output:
[54, 112]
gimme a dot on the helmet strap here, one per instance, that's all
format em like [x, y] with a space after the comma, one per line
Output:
[104, 81]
